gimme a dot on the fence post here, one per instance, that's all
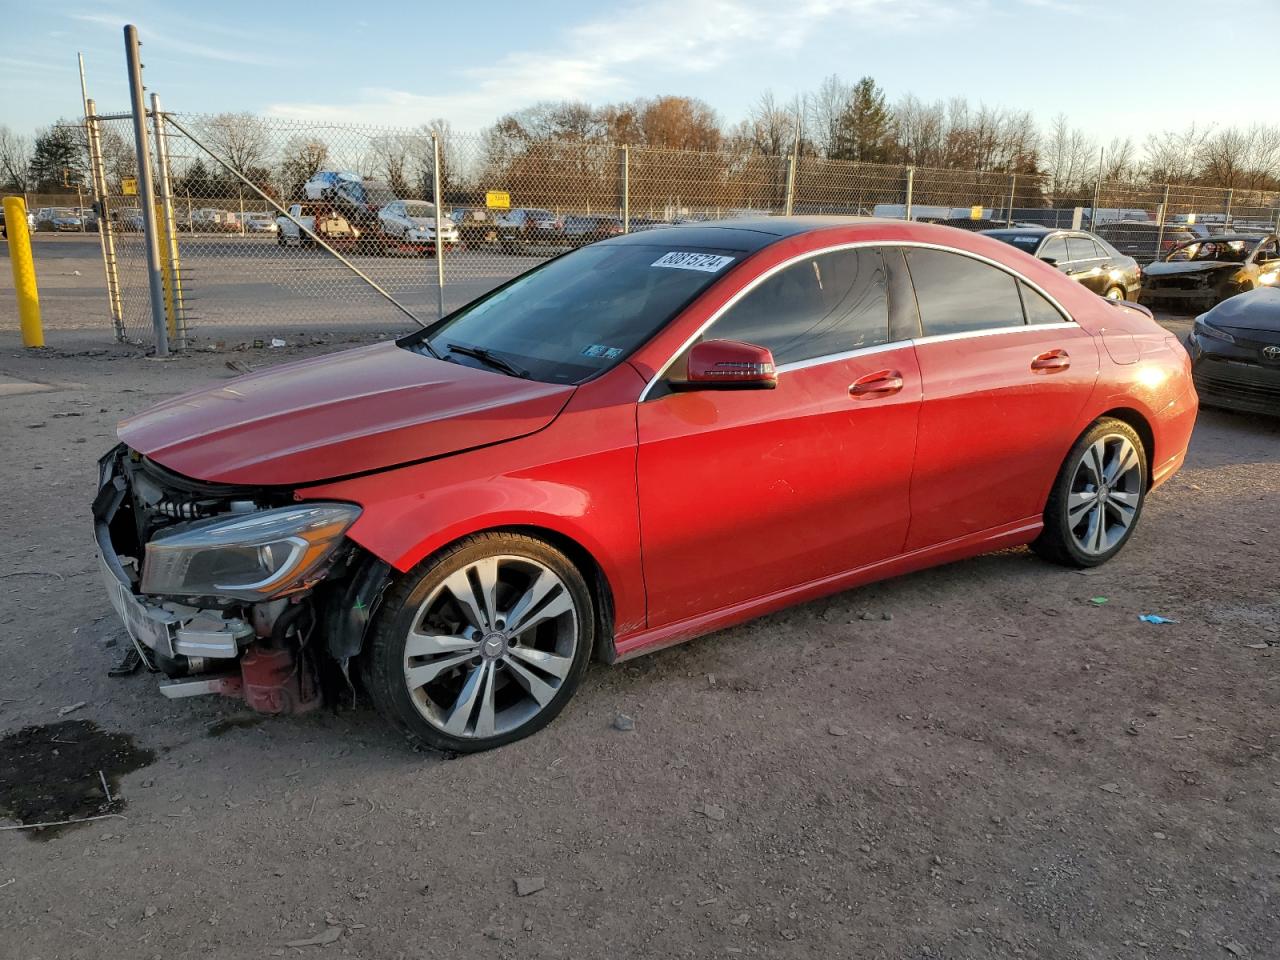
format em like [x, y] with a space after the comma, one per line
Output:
[24, 272]
[791, 184]
[146, 190]
[911, 183]
[1230, 196]
[1164, 215]
[438, 200]
[106, 230]
[626, 189]
[177, 308]
[1013, 186]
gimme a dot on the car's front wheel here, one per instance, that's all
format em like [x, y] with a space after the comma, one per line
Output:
[481, 644]
[1097, 497]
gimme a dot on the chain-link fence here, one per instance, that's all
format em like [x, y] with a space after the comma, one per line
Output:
[277, 226]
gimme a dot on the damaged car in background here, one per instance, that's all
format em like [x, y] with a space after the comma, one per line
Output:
[451, 523]
[1203, 272]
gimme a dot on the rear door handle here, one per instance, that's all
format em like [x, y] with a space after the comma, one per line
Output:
[1051, 361]
[882, 383]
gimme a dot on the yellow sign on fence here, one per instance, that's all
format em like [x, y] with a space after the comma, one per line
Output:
[497, 200]
[129, 186]
[975, 212]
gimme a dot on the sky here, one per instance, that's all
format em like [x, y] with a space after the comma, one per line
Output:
[1111, 66]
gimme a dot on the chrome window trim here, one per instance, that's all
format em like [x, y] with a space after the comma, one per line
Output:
[837, 357]
[829, 358]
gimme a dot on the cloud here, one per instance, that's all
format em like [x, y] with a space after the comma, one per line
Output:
[613, 56]
[164, 42]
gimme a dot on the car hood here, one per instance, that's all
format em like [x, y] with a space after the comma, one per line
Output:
[346, 413]
[1180, 267]
[1257, 311]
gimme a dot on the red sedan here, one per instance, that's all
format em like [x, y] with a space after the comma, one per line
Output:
[644, 440]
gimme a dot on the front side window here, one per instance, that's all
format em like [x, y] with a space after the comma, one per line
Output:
[1055, 249]
[580, 313]
[828, 304]
[958, 294]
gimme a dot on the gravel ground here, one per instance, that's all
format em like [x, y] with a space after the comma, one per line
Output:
[975, 761]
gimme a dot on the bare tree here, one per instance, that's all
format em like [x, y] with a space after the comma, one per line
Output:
[1068, 155]
[15, 159]
[242, 140]
[303, 158]
[1172, 156]
[825, 113]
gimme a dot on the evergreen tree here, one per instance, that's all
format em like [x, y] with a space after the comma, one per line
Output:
[58, 160]
[866, 126]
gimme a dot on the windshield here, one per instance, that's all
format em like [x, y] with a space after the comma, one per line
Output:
[1023, 241]
[583, 312]
[421, 210]
[377, 193]
[1221, 251]
[63, 212]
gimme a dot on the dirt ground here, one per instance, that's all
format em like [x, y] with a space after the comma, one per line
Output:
[975, 761]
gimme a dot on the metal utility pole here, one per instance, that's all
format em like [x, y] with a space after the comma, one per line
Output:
[626, 189]
[911, 183]
[174, 304]
[435, 194]
[1164, 215]
[1013, 188]
[101, 209]
[1097, 193]
[146, 190]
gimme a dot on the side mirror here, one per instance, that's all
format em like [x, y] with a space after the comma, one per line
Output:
[729, 365]
[1051, 261]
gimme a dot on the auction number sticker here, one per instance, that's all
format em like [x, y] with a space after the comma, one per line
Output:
[706, 262]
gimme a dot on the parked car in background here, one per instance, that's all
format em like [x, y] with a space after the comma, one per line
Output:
[579, 231]
[414, 222]
[1085, 258]
[524, 226]
[458, 515]
[1203, 272]
[88, 218]
[57, 220]
[1235, 352]
[354, 197]
[1143, 239]
[260, 223]
[128, 219]
[322, 220]
[477, 226]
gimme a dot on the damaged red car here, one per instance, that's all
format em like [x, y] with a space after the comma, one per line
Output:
[644, 440]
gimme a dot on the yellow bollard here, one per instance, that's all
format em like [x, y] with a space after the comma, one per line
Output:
[24, 271]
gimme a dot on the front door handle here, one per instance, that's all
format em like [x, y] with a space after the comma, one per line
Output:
[882, 383]
[1051, 361]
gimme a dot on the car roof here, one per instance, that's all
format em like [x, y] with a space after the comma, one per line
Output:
[748, 234]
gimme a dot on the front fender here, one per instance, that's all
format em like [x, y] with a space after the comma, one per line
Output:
[575, 479]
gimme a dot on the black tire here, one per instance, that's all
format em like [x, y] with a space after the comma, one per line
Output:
[383, 661]
[1057, 542]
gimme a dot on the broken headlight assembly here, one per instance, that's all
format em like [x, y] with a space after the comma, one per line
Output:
[251, 556]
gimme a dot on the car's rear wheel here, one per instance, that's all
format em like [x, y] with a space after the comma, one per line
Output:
[482, 644]
[1097, 497]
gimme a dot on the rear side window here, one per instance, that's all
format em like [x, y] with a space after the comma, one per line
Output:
[1038, 309]
[827, 304]
[1082, 248]
[958, 294]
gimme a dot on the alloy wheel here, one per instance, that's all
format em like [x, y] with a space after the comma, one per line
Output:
[491, 646]
[1105, 494]
[1115, 293]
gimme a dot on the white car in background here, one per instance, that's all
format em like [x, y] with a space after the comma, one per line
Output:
[414, 221]
[259, 223]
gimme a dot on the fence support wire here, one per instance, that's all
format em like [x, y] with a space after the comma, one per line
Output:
[146, 191]
[303, 228]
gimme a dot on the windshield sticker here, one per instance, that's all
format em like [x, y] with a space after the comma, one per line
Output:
[706, 262]
[600, 350]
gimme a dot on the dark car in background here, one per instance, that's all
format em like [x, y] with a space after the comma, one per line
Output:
[1207, 271]
[524, 226]
[476, 226]
[1235, 353]
[1085, 258]
[579, 231]
[1144, 240]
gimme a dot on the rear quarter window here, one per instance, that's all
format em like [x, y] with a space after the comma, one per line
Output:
[958, 294]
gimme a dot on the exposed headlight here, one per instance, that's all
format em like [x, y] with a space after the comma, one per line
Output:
[1202, 328]
[249, 557]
